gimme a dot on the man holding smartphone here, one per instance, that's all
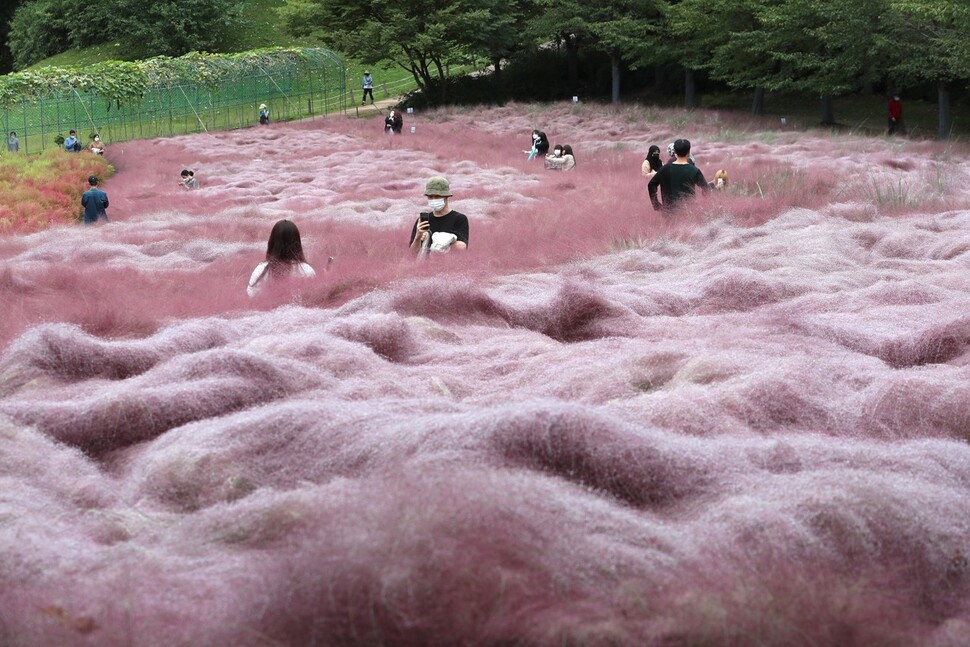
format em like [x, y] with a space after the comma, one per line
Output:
[442, 229]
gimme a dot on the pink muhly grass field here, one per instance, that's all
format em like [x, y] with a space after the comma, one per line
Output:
[743, 422]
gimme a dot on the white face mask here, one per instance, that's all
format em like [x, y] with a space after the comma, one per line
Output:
[720, 182]
[557, 152]
[97, 139]
[436, 204]
[535, 138]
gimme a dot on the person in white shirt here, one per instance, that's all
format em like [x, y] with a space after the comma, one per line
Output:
[284, 259]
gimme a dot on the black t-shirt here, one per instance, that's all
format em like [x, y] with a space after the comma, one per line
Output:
[675, 181]
[452, 222]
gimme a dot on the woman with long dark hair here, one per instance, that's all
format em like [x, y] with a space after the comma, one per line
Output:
[284, 258]
[540, 145]
[652, 163]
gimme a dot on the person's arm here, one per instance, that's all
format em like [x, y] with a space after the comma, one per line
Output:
[418, 234]
[555, 163]
[654, 184]
[105, 200]
[253, 287]
[701, 182]
[461, 230]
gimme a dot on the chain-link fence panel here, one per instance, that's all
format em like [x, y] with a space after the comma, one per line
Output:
[298, 87]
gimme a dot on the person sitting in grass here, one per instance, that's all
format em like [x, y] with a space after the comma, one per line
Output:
[188, 180]
[71, 144]
[393, 122]
[562, 159]
[96, 147]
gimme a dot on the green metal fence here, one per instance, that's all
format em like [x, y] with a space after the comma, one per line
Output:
[312, 84]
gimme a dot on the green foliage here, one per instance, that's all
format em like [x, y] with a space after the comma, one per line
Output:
[42, 28]
[39, 28]
[120, 81]
[927, 40]
[168, 27]
[423, 37]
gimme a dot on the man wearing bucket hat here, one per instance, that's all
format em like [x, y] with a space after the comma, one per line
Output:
[263, 115]
[442, 228]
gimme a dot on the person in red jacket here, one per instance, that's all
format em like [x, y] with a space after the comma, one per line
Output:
[896, 116]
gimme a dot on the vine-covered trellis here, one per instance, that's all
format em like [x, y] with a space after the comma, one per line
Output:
[169, 96]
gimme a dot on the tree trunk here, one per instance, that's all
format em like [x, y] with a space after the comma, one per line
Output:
[828, 112]
[497, 66]
[572, 65]
[442, 85]
[943, 99]
[690, 90]
[758, 105]
[615, 68]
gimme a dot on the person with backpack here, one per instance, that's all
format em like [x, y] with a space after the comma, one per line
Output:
[368, 87]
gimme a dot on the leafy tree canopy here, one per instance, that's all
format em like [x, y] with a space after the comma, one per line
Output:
[42, 28]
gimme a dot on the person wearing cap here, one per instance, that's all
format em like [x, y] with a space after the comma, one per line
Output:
[263, 115]
[13, 144]
[442, 228]
[676, 180]
[95, 203]
[368, 87]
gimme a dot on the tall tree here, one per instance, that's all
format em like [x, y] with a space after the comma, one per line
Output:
[415, 35]
[826, 47]
[709, 44]
[562, 21]
[622, 29]
[926, 40]
[489, 28]
[7, 10]
[626, 30]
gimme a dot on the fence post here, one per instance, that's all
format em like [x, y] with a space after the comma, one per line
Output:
[384, 86]
[41, 102]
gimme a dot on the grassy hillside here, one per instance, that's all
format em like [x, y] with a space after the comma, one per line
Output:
[262, 28]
